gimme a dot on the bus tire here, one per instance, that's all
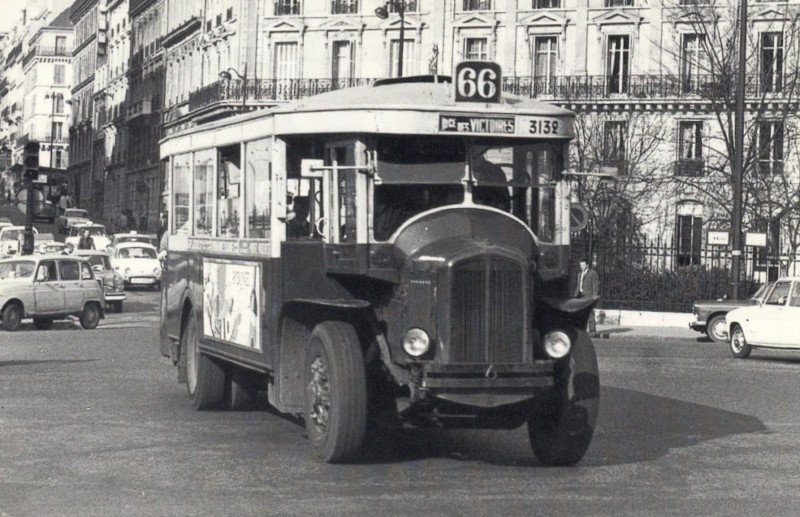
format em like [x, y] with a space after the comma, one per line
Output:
[205, 378]
[335, 392]
[561, 431]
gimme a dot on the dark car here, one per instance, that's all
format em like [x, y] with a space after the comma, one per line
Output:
[710, 314]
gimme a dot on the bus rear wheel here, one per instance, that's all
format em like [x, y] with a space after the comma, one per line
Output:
[561, 431]
[205, 378]
[335, 392]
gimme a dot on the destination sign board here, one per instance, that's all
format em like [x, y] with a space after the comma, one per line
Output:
[477, 124]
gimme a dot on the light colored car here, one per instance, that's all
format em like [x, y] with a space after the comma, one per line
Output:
[70, 217]
[97, 231]
[11, 240]
[772, 323]
[138, 264]
[46, 288]
[45, 244]
[113, 283]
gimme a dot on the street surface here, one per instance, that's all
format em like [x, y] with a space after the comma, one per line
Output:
[94, 423]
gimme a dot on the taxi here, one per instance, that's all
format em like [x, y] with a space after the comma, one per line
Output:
[138, 263]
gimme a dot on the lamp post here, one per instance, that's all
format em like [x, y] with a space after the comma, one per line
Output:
[738, 156]
[382, 12]
[226, 74]
[55, 97]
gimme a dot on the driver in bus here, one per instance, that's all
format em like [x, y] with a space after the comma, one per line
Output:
[297, 220]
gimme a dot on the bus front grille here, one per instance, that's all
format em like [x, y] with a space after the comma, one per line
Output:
[487, 318]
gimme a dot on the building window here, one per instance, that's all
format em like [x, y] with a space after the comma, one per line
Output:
[58, 74]
[410, 6]
[690, 148]
[59, 107]
[770, 147]
[477, 5]
[58, 131]
[771, 57]
[208, 26]
[343, 63]
[546, 4]
[287, 7]
[618, 57]
[61, 45]
[229, 14]
[218, 20]
[689, 232]
[408, 57]
[693, 62]
[344, 7]
[545, 54]
[619, 3]
[476, 49]
[614, 144]
[59, 161]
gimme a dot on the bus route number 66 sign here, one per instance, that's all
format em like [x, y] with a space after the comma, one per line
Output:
[478, 81]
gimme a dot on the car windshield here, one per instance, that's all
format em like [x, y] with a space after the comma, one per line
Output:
[11, 235]
[99, 260]
[759, 294]
[77, 213]
[136, 252]
[17, 269]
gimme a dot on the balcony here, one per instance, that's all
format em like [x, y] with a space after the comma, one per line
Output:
[139, 108]
[44, 137]
[268, 90]
[599, 87]
[46, 52]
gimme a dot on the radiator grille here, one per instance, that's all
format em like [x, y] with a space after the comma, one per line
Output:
[487, 318]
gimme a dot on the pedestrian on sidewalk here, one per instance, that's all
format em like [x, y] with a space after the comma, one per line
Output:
[588, 287]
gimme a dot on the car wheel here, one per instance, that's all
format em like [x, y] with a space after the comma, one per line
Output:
[335, 392]
[117, 306]
[205, 377]
[561, 428]
[43, 323]
[90, 317]
[12, 317]
[717, 329]
[739, 346]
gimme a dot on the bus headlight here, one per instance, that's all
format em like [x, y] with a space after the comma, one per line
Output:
[416, 342]
[557, 344]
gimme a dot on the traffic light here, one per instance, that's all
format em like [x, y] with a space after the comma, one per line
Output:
[30, 161]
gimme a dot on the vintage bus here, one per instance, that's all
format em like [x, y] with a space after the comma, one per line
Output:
[392, 255]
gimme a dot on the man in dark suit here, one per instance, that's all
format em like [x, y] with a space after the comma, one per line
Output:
[588, 287]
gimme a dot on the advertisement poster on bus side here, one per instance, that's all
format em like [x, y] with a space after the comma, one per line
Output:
[231, 302]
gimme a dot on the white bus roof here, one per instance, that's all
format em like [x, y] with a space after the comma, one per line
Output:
[398, 108]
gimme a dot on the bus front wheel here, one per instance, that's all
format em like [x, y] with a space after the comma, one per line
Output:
[561, 431]
[335, 392]
[205, 378]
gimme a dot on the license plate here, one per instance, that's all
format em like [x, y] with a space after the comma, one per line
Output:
[141, 280]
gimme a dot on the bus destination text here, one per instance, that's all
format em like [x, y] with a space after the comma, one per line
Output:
[467, 124]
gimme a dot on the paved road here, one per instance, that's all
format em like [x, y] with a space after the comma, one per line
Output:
[93, 423]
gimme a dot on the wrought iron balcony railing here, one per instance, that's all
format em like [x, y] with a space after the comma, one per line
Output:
[344, 6]
[287, 7]
[261, 90]
[596, 87]
[46, 52]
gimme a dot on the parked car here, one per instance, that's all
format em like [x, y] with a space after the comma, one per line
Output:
[11, 240]
[772, 323]
[46, 288]
[710, 314]
[149, 238]
[70, 217]
[138, 264]
[113, 283]
[97, 231]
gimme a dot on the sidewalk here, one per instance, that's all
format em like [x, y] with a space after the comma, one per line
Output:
[619, 323]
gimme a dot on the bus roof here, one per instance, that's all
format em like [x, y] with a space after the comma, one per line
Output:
[424, 108]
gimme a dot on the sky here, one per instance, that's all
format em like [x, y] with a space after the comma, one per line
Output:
[10, 13]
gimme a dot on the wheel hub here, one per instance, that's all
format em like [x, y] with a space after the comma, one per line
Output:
[319, 394]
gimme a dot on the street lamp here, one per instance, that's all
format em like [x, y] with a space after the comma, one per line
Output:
[400, 7]
[738, 158]
[226, 74]
[56, 97]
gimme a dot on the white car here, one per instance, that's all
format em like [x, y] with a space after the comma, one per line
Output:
[70, 217]
[138, 264]
[11, 240]
[97, 231]
[773, 323]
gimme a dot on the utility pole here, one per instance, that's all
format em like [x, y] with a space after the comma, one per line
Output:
[738, 158]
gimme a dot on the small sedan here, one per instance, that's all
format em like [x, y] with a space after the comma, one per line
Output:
[47, 288]
[773, 323]
[70, 217]
[113, 283]
[138, 264]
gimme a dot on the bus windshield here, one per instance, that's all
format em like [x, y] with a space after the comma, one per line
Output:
[419, 174]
